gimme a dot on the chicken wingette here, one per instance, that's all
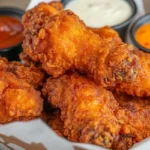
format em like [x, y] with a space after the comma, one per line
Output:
[64, 43]
[18, 98]
[91, 114]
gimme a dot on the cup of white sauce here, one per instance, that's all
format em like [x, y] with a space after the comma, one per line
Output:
[98, 13]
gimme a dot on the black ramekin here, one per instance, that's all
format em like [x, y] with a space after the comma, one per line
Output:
[11, 53]
[122, 27]
[142, 20]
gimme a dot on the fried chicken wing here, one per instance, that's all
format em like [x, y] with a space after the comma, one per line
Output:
[18, 98]
[64, 43]
[87, 110]
[36, 16]
[92, 115]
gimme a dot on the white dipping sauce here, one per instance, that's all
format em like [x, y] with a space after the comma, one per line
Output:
[98, 13]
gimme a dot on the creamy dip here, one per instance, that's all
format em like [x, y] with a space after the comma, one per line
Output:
[98, 13]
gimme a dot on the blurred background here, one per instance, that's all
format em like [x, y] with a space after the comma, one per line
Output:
[23, 3]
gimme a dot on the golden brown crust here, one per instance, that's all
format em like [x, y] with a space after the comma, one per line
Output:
[3, 63]
[25, 58]
[141, 85]
[92, 115]
[134, 115]
[107, 33]
[64, 43]
[29, 73]
[41, 12]
[18, 99]
[57, 5]
[124, 99]
[86, 109]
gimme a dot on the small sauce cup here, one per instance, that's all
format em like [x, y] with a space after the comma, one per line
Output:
[122, 27]
[11, 52]
[136, 25]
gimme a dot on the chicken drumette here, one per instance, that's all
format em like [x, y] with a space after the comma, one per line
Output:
[91, 114]
[62, 42]
[18, 98]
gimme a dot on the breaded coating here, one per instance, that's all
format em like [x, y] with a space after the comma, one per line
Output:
[92, 115]
[134, 116]
[141, 86]
[41, 12]
[25, 58]
[3, 63]
[64, 43]
[18, 98]
[57, 5]
[87, 110]
[107, 33]
[27, 72]
[123, 99]
[35, 17]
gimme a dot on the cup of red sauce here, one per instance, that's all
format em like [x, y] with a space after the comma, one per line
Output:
[11, 35]
[140, 33]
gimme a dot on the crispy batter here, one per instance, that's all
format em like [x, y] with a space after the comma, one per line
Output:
[57, 5]
[92, 115]
[141, 86]
[64, 43]
[18, 99]
[87, 110]
[134, 115]
[107, 34]
[41, 12]
[26, 59]
[3, 63]
[29, 73]
[35, 17]
[123, 99]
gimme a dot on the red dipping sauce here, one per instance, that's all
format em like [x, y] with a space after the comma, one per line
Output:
[10, 32]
